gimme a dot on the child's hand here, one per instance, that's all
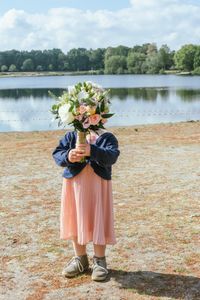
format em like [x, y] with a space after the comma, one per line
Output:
[84, 148]
[75, 155]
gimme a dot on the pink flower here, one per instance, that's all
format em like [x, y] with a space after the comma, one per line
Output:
[94, 119]
[82, 109]
[86, 123]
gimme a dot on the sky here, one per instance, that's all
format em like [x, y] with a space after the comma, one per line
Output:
[67, 24]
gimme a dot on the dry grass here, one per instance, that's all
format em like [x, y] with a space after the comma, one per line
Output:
[156, 201]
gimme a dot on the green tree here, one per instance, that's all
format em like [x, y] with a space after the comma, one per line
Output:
[152, 64]
[115, 64]
[4, 68]
[12, 68]
[96, 58]
[39, 59]
[196, 71]
[28, 65]
[1, 58]
[197, 58]
[50, 67]
[113, 51]
[184, 58]
[61, 61]
[19, 59]
[135, 61]
[78, 59]
[165, 57]
[53, 57]
[39, 68]
[138, 49]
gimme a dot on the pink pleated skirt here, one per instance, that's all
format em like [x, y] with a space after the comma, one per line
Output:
[87, 209]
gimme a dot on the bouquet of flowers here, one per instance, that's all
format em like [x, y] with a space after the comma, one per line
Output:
[85, 106]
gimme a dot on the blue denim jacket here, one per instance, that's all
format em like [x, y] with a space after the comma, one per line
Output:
[104, 153]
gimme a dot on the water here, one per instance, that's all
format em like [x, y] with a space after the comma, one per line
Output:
[136, 99]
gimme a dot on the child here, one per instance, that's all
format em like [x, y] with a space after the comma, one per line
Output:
[86, 199]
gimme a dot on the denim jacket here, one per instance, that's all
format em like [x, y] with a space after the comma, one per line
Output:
[104, 153]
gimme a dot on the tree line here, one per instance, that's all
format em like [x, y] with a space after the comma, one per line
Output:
[140, 59]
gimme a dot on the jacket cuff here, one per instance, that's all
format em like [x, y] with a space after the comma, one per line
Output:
[66, 158]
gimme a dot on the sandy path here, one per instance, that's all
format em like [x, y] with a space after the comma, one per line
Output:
[156, 185]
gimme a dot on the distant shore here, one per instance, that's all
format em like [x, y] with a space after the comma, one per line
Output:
[38, 74]
[92, 72]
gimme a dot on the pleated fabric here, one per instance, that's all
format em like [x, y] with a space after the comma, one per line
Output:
[87, 209]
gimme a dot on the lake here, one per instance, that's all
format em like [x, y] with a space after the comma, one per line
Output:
[135, 99]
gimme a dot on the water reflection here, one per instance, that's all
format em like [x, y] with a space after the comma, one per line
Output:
[149, 94]
[144, 94]
[188, 95]
[29, 109]
[16, 94]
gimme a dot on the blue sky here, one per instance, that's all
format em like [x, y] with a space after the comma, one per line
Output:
[44, 5]
[34, 6]
[67, 24]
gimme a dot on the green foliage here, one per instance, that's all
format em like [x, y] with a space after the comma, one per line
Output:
[78, 59]
[115, 64]
[4, 68]
[197, 58]
[165, 57]
[135, 61]
[140, 59]
[50, 67]
[153, 64]
[106, 116]
[196, 71]
[28, 65]
[184, 58]
[96, 58]
[116, 51]
[39, 68]
[12, 68]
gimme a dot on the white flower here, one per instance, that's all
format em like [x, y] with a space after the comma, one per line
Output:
[65, 115]
[82, 95]
[95, 85]
[71, 89]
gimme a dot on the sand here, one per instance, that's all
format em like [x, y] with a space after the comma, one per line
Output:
[156, 188]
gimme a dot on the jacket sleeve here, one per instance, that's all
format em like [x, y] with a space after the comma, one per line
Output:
[105, 155]
[60, 154]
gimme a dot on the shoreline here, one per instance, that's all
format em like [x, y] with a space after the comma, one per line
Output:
[43, 74]
[79, 73]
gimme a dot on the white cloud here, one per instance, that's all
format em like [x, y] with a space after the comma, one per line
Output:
[174, 22]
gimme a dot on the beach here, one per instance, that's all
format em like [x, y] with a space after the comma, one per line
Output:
[156, 192]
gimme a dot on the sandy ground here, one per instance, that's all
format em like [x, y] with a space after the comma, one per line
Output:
[156, 188]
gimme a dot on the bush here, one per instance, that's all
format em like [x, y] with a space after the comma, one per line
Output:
[4, 68]
[12, 68]
[162, 71]
[39, 68]
[196, 71]
[28, 65]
